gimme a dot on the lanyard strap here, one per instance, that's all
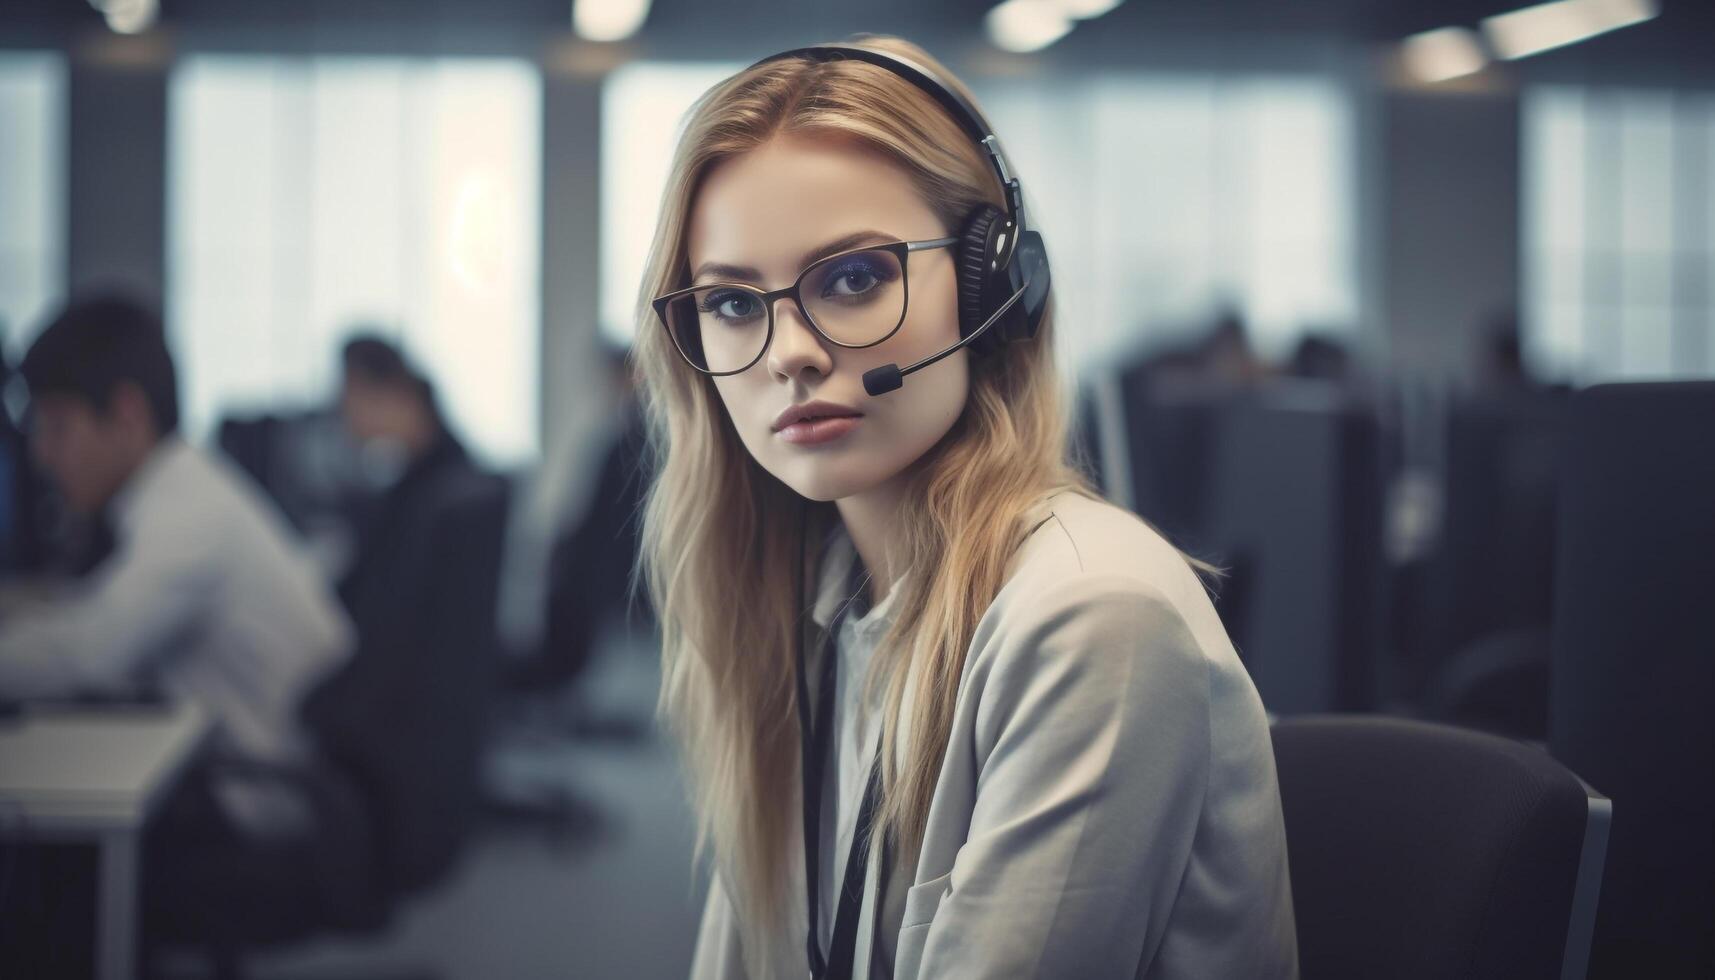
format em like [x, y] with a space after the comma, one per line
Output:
[813, 742]
[843, 947]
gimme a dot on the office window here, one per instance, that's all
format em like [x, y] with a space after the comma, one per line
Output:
[32, 193]
[1619, 233]
[1163, 197]
[642, 113]
[312, 195]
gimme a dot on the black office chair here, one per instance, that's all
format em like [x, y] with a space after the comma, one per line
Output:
[407, 717]
[1422, 850]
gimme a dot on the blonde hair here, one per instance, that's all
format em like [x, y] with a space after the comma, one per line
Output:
[722, 536]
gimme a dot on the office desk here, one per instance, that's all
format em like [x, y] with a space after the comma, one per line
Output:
[96, 775]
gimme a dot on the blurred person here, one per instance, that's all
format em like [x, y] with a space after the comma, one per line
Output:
[1027, 721]
[391, 412]
[406, 716]
[204, 596]
[1219, 360]
[1226, 353]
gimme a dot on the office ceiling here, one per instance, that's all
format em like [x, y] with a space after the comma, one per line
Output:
[1681, 40]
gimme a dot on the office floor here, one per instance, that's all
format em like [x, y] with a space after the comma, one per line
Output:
[606, 892]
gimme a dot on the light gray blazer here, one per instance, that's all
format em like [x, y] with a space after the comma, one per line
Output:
[1107, 806]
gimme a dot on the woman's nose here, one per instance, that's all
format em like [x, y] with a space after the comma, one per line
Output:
[796, 346]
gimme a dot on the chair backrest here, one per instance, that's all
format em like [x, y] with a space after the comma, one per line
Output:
[406, 718]
[1422, 850]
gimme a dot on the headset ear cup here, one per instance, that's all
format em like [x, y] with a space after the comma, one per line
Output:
[984, 282]
[973, 272]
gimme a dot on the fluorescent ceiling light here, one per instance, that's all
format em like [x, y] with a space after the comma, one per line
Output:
[128, 16]
[1085, 9]
[1436, 56]
[1026, 25]
[608, 20]
[1552, 25]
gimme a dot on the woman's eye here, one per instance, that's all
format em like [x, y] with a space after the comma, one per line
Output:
[731, 306]
[851, 282]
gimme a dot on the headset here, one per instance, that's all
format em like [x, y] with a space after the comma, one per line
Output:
[1002, 265]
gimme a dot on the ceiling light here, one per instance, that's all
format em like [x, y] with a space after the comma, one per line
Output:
[608, 20]
[1436, 56]
[1085, 9]
[1026, 25]
[128, 16]
[1553, 25]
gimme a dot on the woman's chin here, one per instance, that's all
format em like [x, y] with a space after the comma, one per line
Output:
[823, 480]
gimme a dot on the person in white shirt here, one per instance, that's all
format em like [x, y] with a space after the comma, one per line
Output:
[945, 711]
[204, 596]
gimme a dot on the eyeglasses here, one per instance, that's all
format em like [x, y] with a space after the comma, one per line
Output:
[855, 298]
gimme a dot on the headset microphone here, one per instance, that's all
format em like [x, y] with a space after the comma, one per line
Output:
[881, 380]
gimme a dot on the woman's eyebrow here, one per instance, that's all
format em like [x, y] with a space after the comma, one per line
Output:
[745, 273]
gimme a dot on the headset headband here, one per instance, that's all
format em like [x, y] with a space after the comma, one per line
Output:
[965, 114]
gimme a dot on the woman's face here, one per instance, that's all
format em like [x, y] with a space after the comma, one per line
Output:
[776, 209]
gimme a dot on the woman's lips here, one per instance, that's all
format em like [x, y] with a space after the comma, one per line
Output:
[814, 432]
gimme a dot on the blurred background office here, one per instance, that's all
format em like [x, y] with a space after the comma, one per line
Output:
[1401, 312]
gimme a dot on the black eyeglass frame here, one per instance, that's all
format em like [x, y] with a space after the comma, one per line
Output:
[900, 250]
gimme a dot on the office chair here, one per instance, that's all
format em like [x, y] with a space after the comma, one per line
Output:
[1420, 850]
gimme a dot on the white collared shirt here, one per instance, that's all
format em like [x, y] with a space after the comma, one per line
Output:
[206, 594]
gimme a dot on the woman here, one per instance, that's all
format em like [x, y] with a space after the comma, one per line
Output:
[1015, 740]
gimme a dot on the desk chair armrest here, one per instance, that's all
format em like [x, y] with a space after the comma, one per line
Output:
[1581, 925]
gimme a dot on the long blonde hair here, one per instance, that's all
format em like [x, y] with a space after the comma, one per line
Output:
[722, 536]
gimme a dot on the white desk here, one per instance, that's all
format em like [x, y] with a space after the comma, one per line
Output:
[93, 775]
